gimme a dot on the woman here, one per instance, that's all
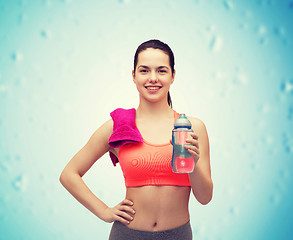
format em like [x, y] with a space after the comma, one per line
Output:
[156, 202]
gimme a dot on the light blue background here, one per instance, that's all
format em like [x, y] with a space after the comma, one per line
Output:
[65, 65]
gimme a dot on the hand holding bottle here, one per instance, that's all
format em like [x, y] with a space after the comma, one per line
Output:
[193, 147]
[185, 146]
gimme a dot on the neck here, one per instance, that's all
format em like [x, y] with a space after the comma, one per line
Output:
[153, 110]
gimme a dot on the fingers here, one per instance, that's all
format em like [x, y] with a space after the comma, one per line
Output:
[192, 146]
[124, 211]
[125, 216]
[193, 135]
[193, 140]
[121, 219]
[126, 202]
[126, 205]
[194, 153]
[192, 149]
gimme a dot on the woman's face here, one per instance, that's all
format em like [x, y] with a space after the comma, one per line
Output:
[153, 75]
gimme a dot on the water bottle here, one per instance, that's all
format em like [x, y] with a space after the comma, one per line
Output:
[182, 160]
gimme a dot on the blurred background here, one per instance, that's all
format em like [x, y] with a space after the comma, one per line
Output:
[66, 64]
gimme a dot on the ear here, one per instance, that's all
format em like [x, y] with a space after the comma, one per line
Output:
[133, 76]
[173, 76]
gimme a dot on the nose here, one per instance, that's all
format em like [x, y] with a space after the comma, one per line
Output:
[153, 77]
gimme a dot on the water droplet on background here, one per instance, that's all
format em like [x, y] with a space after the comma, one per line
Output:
[253, 166]
[45, 33]
[210, 28]
[43, 177]
[21, 81]
[216, 43]
[288, 143]
[262, 30]
[22, 18]
[285, 174]
[243, 26]
[124, 1]
[67, 1]
[20, 183]
[228, 4]
[287, 86]
[17, 158]
[31, 120]
[280, 31]
[265, 2]
[17, 56]
[22, 2]
[269, 140]
[263, 41]
[234, 210]
[48, 3]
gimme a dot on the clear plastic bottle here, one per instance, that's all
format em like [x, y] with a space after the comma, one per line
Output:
[182, 160]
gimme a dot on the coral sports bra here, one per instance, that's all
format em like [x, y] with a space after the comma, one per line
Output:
[145, 164]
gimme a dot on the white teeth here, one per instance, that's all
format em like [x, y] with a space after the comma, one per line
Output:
[153, 88]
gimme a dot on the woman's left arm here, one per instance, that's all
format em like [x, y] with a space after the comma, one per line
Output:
[200, 179]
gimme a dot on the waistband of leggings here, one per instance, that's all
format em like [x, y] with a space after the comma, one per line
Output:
[122, 226]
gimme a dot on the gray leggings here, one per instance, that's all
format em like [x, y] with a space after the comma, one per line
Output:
[121, 232]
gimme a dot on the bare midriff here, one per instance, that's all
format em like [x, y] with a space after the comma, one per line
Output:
[158, 208]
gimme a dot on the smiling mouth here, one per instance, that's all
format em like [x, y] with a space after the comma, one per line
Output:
[152, 88]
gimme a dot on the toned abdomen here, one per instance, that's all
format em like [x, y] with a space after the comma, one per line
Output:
[159, 208]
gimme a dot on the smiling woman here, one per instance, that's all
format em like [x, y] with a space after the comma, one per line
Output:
[153, 76]
[156, 201]
[156, 44]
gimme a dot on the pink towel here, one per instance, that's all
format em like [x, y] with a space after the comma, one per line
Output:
[124, 130]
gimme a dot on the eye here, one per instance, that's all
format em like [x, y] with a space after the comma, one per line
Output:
[143, 70]
[162, 71]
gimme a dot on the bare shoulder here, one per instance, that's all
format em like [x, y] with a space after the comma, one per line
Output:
[200, 130]
[197, 124]
[108, 125]
[98, 142]
[105, 130]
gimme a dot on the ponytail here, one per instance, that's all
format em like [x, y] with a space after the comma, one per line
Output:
[169, 100]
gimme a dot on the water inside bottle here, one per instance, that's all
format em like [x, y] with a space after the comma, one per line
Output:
[180, 150]
[184, 165]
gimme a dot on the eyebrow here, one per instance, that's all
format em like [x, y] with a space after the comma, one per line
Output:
[144, 66]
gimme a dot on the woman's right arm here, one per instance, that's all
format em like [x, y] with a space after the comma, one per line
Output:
[71, 177]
